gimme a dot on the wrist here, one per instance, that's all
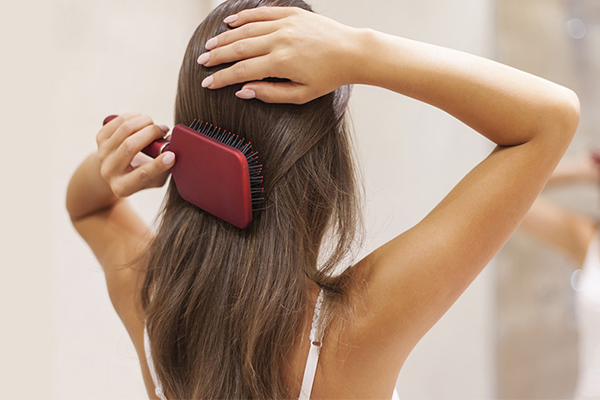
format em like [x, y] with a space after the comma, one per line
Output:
[88, 191]
[359, 55]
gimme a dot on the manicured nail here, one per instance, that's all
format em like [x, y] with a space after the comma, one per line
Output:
[164, 128]
[169, 158]
[208, 81]
[246, 94]
[203, 59]
[231, 19]
[212, 43]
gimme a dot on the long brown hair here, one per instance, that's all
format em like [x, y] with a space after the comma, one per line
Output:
[224, 306]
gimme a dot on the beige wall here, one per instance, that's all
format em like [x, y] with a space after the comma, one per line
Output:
[68, 64]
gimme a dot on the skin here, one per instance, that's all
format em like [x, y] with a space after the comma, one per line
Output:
[406, 285]
[566, 231]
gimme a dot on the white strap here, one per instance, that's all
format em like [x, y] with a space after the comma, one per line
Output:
[316, 341]
[157, 384]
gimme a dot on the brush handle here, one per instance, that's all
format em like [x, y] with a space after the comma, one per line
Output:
[154, 149]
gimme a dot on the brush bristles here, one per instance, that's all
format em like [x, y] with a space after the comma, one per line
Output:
[254, 167]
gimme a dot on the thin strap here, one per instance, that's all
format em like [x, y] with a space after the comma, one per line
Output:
[316, 341]
[157, 383]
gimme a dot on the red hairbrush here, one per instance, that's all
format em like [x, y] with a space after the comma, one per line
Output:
[216, 171]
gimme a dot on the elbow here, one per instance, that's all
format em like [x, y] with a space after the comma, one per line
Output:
[70, 204]
[572, 111]
[565, 114]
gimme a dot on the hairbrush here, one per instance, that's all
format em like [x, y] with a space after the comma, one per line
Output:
[215, 170]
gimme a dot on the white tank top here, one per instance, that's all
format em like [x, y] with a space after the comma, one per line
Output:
[310, 370]
[587, 300]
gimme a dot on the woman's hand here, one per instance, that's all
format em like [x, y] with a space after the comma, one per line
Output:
[121, 164]
[317, 55]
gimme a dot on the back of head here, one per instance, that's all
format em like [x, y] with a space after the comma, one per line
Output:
[224, 306]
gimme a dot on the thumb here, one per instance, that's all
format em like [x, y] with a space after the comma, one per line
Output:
[274, 92]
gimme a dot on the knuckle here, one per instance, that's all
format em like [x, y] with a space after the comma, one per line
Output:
[240, 70]
[262, 12]
[239, 48]
[128, 126]
[249, 30]
[102, 154]
[286, 36]
[145, 177]
[119, 190]
[283, 59]
[104, 173]
[129, 147]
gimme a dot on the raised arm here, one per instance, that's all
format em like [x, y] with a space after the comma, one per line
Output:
[581, 168]
[411, 281]
[566, 231]
[97, 191]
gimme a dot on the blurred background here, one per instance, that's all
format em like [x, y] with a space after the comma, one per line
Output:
[67, 64]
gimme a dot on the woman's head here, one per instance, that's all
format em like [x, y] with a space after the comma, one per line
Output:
[226, 304]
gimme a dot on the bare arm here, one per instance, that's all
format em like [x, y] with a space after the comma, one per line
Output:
[412, 280]
[96, 197]
[104, 219]
[566, 231]
[582, 168]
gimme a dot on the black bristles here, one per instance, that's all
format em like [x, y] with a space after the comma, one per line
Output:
[254, 167]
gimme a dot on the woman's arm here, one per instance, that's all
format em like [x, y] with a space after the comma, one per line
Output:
[565, 231]
[582, 168]
[411, 281]
[96, 197]
[116, 170]
[104, 219]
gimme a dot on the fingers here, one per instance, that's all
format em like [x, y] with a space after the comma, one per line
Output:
[260, 14]
[131, 146]
[254, 69]
[127, 129]
[151, 174]
[251, 30]
[241, 50]
[109, 129]
[271, 92]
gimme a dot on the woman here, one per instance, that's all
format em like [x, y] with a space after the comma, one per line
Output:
[576, 236]
[228, 313]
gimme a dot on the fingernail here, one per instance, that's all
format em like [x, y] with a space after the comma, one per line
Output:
[203, 59]
[208, 81]
[169, 158]
[212, 43]
[246, 94]
[164, 128]
[231, 19]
